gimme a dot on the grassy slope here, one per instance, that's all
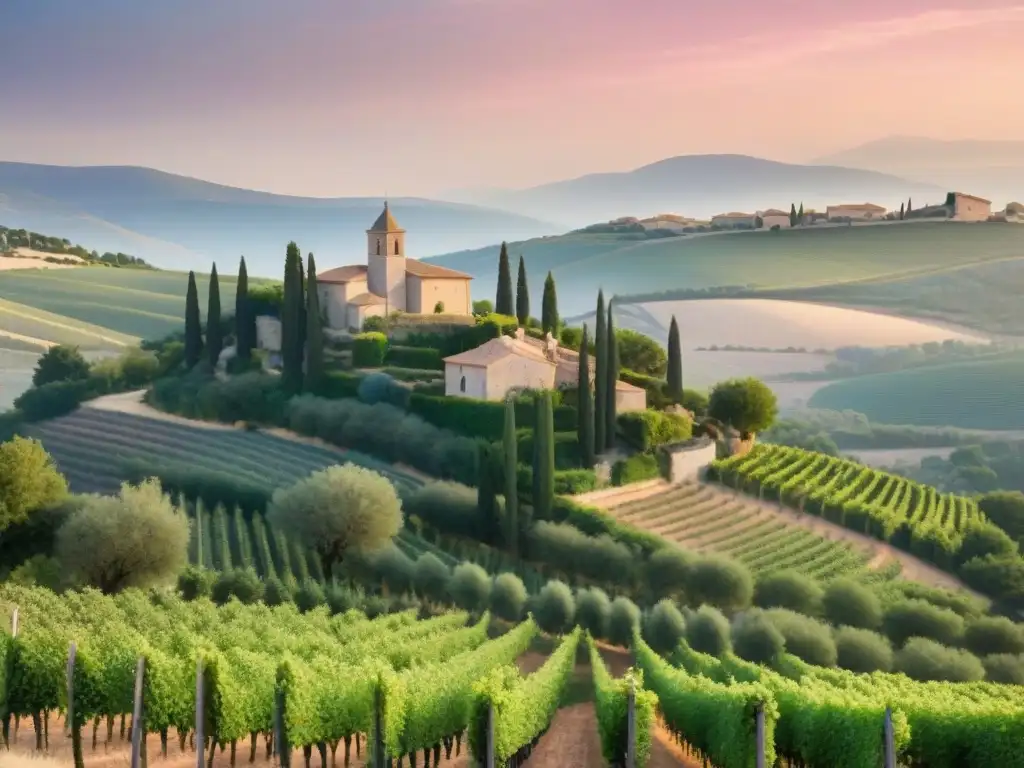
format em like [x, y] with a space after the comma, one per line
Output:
[978, 394]
[787, 259]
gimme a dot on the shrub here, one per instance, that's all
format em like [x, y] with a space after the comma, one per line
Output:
[212, 487]
[848, 603]
[309, 595]
[423, 358]
[381, 388]
[508, 597]
[861, 650]
[241, 583]
[135, 539]
[917, 618]
[336, 385]
[667, 572]
[195, 582]
[665, 627]
[470, 587]
[567, 448]
[1004, 668]
[623, 619]
[568, 482]
[60, 363]
[924, 659]
[991, 635]
[999, 577]
[720, 582]
[38, 571]
[553, 608]
[593, 609]
[431, 577]
[789, 589]
[449, 507]
[369, 349]
[635, 469]
[707, 631]
[481, 418]
[1005, 509]
[52, 400]
[594, 522]
[755, 638]
[275, 592]
[805, 638]
[646, 430]
[981, 540]
[394, 569]
[571, 551]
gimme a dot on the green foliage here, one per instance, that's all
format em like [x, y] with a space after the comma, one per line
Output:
[718, 581]
[240, 584]
[639, 352]
[523, 295]
[593, 611]
[136, 539]
[382, 388]
[543, 457]
[553, 608]
[508, 597]
[60, 363]
[807, 639]
[431, 577]
[449, 507]
[193, 324]
[420, 358]
[1004, 668]
[504, 303]
[369, 350]
[611, 702]
[470, 587]
[482, 418]
[850, 603]
[309, 595]
[482, 307]
[38, 570]
[646, 430]
[924, 659]
[747, 405]
[664, 627]
[292, 322]
[566, 549]
[667, 572]
[195, 582]
[29, 480]
[917, 618]
[245, 317]
[337, 510]
[585, 430]
[755, 638]
[788, 589]
[52, 400]
[988, 635]
[510, 463]
[1000, 577]
[635, 469]
[860, 650]
[623, 621]
[1006, 510]
[214, 332]
[601, 377]
[314, 331]
[707, 631]
[611, 379]
[549, 320]
[674, 363]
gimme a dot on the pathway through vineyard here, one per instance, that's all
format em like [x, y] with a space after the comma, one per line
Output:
[571, 742]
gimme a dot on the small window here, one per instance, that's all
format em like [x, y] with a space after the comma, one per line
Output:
[378, 246]
[462, 384]
[396, 249]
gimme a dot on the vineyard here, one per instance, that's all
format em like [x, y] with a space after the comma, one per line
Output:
[914, 517]
[703, 518]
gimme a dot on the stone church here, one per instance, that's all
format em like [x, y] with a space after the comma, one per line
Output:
[389, 282]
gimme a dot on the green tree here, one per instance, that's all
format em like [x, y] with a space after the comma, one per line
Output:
[800, 214]
[214, 334]
[470, 587]
[60, 363]
[522, 296]
[291, 320]
[756, 639]
[245, 320]
[707, 631]
[193, 324]
[314, 332]
[639, 352]
[600, 377]
[338, 510]
[504, 303]
[138, 538]
[29, 480]
[549, 307]
[746, 405]
[902, 211]
[511, 459]
[544, 457]
[554, 608]
[483, 307]
[665, 627]
[611, 380]
[487, 495]
[910, 206]
[674, 375]
[585, 427]
[792, 214]
[508, 597]
[1006, 510]
[592, 611]
[849, 603]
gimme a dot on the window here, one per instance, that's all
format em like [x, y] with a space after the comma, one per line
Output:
[396, 249]
[378, 246]
[462, 384]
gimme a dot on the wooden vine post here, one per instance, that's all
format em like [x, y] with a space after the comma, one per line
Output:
[200, 714]
[490, 735]
[890, 740]
[72, 717]
[138, 716]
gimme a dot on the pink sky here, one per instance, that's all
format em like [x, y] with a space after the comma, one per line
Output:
[413, 97]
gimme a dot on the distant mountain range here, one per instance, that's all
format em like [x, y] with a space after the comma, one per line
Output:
[701, 186]
[183, 223]
[992, 169]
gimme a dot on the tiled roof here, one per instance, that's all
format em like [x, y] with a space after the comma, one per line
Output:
[425, 269]
[385, 222]
[497, 349]
[773, 212]
[367, 300]
[343, 274]
[859, 207]
[734, 215]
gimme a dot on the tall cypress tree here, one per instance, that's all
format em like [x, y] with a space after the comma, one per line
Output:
[214, 333]
[612, 378]
[511, 449]
[504, 304]
[544, 457]
[245, 322]
[792, 214]
[522, 295]
[910, 205]
[314, 332]
[902, 211]
[193, 324]
[585, 430]
[675, 363]
[600, 377]
[302, 305]
[549, 307]
[486, 493]
[291, 318]
[800, 214]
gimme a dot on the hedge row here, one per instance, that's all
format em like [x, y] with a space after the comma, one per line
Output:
[424, 358]
[481, 418]
[646, 430]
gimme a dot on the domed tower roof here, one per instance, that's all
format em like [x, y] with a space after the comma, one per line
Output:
[385, 223]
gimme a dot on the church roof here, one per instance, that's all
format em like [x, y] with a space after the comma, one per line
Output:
[385, 222]
[426, 269]
[497, 349]
[343, 274]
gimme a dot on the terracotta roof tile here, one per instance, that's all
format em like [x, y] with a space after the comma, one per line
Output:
[494, 350]
[343, 274]
[366, 300]
[425, 269]
[385, 222]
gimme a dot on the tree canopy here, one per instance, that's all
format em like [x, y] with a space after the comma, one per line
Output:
[746, 405]
[29, 480]
[60, 363]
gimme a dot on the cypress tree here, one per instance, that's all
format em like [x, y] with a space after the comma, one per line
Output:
[600, 377]
[487, 495]
[675, 363]
[910, 207]
[549, 307]
[522, 295]
[544, 457]
[511, 458]
[302, 304]
[901, 211]
[585, 430]
[193, 324]
[314, 332]
[503, 302]
[792, 214]
[214, 334]
[612, 374]
[291, 317]
[800, 214]
[245, 322]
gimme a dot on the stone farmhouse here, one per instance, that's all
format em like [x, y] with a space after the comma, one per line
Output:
[855, 212]
[389, 282]
[507, 364]
[968, 207]
[735, 220]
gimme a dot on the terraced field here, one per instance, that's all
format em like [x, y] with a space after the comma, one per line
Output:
[704, 518]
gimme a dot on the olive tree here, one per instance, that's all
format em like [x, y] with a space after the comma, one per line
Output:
[135, 539]
[747, 405]
[29, 480]
[470, 587]
[338, 510]
[508, 597]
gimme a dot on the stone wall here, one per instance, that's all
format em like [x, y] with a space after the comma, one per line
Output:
[687, 461]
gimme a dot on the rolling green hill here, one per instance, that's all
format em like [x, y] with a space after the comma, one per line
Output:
[802, 258]
[978, 394]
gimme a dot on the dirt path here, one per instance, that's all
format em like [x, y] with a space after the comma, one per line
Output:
[621, 495]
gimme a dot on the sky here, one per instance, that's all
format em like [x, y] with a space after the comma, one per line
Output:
[421, 97]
